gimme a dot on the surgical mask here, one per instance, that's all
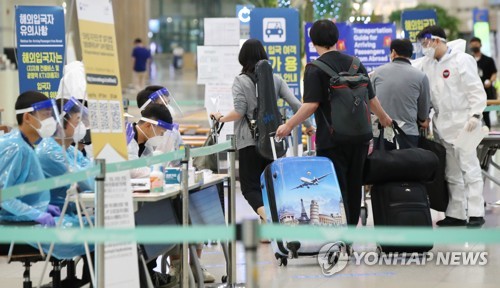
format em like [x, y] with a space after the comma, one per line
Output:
[475, 49]
[79, 132]
[154, 142]
[48, 127]
[429, 52]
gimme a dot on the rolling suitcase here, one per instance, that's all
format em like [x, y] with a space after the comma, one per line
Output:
[401, 204]
[302, 191]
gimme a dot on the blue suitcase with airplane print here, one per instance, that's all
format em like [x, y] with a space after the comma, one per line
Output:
[302, 191]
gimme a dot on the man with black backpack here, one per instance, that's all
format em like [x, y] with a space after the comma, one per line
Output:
[338, 91]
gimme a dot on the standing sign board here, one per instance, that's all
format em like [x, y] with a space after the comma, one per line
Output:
[278, 30]
[40, 48]
[99, 51]
[369, 42]
[413, 21]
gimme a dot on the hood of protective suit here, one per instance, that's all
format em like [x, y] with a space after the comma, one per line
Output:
[457, 46]
[73, 82]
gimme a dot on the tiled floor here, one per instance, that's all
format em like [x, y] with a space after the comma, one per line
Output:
[305, 272]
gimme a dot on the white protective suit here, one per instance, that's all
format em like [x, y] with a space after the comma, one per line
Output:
[457, 93]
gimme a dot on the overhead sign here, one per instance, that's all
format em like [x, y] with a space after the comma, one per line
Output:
[243, 14]
[40, 48]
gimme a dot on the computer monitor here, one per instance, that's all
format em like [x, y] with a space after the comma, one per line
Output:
[154, 214]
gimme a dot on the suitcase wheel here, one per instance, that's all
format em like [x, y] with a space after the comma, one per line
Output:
[224, 279]
[363, 215]
[282, 260]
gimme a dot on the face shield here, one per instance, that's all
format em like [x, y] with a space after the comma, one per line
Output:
[164, 97]
[163, 139]
[45, 113]
[75, 115]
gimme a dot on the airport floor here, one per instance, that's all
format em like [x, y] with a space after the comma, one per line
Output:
[305, 272]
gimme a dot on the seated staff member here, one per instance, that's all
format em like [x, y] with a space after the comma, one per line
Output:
[58, 157]
[19, 164]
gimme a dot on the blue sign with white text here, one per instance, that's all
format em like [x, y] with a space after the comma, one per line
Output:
[414, 21]
[40, 48]
[243, 13]
[369, 42]
[278, 30]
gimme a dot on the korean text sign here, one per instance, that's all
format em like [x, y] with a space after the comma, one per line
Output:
[414, 21]
[40, 48]
[278, 30]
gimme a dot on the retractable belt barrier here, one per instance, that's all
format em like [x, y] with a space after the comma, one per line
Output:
[197, 234]
[70, 178]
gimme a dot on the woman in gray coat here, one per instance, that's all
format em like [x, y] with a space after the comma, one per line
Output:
[245, 101]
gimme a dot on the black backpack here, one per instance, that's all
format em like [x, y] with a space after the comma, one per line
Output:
[266, 117]
[350, 106]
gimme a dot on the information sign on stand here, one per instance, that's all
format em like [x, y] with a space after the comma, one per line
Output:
[99, 51]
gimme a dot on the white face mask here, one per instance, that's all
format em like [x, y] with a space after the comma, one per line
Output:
[79, 132]
[48, 127]
[154, 142]
[429, 52]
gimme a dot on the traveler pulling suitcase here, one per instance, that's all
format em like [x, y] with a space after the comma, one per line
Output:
[401, 204]
[302, 191]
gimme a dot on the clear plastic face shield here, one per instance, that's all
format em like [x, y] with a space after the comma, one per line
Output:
[76, 118]
[428, 43]
[164, 97]
[163, 139]
[46, 115]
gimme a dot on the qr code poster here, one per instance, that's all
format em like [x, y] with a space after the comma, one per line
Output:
[116, 117]
[94, 115]
[104, 117]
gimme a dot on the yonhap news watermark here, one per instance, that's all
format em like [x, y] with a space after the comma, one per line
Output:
[334, 257]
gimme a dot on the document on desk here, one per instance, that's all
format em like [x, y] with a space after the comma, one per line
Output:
[468, 141]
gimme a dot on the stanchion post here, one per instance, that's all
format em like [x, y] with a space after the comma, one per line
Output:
[231, 199]
[99, 221]
[250, 235]
[185, 216]
[296, 142]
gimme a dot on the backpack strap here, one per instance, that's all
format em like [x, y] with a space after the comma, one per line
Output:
[354, 66]
[324, 67]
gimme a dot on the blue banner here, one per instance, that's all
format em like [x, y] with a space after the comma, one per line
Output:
[480, 15]
[278, 30]
[414, 21]
[40, 48]
[369, 42]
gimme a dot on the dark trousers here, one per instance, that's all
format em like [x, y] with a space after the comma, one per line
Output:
[349, 161]
[251, 167]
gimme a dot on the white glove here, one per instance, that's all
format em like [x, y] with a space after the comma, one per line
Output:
[472, 124]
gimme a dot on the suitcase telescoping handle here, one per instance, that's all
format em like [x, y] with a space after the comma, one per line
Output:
[273, 140]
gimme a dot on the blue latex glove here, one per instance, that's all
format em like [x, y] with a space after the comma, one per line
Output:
[53, 210]
[46, 220]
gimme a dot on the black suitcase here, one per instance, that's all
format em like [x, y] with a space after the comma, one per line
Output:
[438, 188]
[401, 204]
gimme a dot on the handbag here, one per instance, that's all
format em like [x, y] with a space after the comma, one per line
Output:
[413, 164]
[209, 161]
[437, 189]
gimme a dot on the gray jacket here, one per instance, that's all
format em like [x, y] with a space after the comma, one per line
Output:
[245, 102]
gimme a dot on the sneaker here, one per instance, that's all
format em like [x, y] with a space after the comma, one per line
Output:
[450, 221]
[161, 280]
[475, 222]
[207, 276]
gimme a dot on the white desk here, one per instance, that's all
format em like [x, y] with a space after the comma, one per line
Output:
[169, 190]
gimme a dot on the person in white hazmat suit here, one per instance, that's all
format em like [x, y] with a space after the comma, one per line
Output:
[458, 99]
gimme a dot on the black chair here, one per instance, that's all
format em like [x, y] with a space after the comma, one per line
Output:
[26, 254]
